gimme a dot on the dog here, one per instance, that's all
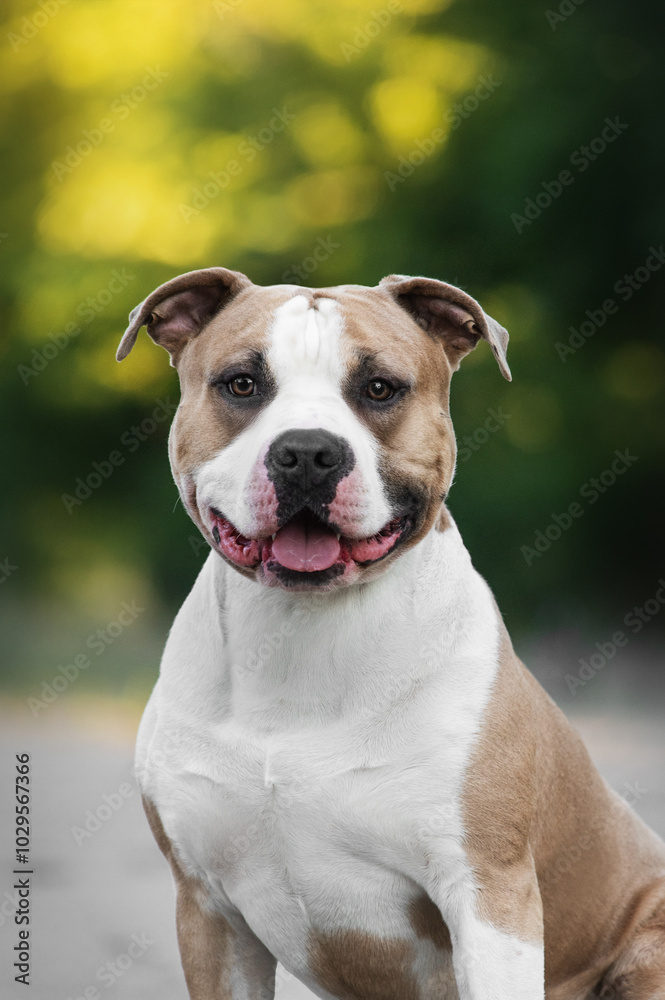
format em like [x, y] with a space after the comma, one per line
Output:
[344, 762]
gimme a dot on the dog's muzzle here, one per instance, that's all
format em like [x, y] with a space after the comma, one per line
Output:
[307, 543]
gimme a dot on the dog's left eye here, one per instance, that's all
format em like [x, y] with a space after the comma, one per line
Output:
[242, 385]
[379, 390]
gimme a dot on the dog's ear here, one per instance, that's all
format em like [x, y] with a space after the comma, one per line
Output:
[447, 312]
[179, 309]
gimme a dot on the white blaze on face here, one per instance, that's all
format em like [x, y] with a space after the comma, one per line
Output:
[306, 359]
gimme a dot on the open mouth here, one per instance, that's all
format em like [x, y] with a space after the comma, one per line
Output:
[305, 544]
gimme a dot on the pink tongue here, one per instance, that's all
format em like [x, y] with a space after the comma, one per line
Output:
[306, 546]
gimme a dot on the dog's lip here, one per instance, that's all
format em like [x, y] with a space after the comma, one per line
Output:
[252, 552]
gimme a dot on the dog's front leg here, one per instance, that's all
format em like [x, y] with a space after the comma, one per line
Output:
[221, 957]
[497, 936]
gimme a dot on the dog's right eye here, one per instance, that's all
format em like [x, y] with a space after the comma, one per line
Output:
[379, 390]
[242, 385]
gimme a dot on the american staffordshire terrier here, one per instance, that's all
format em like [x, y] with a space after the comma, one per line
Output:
[344, 762]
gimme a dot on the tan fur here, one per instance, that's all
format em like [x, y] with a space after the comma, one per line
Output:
[210, 949]
[639, 972]
[417, 440]
[588, 908]
[353, 965]
[452, 313]
[443, 521]
[499, 796]
[533, 792]
[427, 922]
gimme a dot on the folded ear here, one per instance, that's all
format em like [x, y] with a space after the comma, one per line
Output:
[448, 312]
[179, 309]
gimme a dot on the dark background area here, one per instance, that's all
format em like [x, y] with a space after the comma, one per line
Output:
[186, 89]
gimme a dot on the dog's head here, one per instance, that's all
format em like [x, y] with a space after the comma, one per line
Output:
[313, 442]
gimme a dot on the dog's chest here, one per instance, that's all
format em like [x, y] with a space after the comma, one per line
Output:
[321, 830]
[311, 790]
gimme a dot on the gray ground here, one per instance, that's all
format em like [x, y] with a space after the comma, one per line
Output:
[90, 899]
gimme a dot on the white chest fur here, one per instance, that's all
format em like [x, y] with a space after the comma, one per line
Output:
[306, 754]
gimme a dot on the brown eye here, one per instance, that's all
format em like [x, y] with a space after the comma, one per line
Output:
[242, 385]
[379, 390]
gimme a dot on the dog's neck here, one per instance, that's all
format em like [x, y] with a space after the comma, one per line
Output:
[297, 659]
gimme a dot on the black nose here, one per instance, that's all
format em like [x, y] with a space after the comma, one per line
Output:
[310, 462]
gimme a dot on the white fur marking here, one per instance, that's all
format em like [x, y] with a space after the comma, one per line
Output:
[492, 965]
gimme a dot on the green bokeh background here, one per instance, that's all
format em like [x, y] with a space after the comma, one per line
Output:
[366, 84]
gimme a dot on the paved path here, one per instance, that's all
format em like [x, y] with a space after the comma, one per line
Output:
[91, 899]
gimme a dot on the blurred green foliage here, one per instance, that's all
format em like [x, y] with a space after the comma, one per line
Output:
[340, 142]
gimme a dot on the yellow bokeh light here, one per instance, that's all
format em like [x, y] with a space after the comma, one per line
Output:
[151, 190]
[333, 197]
[85, 39]
[215, 151]
[336, 33]
[266, 222]
[144, 375]
[115, 206]
[98, 585]
[327, 136]
[448, 63]
[415, 7]
[405, 109]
